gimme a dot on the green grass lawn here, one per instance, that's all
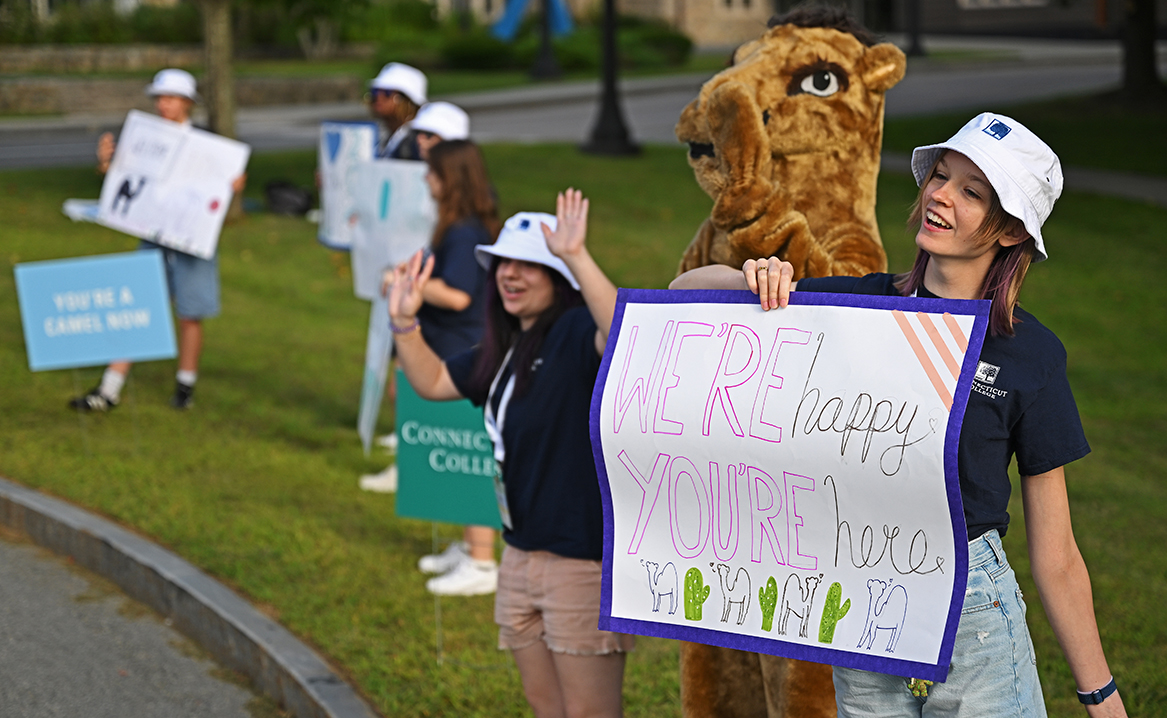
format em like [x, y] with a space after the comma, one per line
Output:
[257, 484]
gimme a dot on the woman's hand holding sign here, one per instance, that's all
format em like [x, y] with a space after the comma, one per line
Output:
[770, 279]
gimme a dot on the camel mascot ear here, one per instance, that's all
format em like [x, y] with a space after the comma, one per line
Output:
[883, 67]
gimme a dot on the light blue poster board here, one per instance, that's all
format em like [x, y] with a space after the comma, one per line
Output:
[343, 146]
[378, 346]
[95, 310]
[445, 461]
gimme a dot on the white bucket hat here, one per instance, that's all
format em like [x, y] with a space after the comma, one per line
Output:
[443, 119]
[521, 238]
[402, 78]
[1023, 170]
[173, 82]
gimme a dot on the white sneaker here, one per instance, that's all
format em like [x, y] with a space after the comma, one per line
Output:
[469, 578]
[446, 561]
[383, 483]
[388, 442]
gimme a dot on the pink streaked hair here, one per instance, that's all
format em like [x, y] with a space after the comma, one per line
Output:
[1006, 274]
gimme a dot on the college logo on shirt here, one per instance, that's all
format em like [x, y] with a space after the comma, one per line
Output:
[984, 379]
[987, 372]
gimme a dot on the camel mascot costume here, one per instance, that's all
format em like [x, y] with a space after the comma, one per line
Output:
[786, 141]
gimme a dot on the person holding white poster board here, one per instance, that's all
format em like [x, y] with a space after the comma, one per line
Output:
[533, 373]
[984, 196]
[193, 279]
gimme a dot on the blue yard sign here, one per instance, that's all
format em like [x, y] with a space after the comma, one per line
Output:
[95, 310]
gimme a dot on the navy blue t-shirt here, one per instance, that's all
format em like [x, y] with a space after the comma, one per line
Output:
[550, 473]
[446, 331]
[1020, 405]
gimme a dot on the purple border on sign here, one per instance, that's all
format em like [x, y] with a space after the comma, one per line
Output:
[935, 672]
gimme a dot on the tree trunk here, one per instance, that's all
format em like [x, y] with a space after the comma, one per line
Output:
[219, 82]
[1140, 76]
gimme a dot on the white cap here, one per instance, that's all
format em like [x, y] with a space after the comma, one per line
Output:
[447, 121]
[173, 82]
[521, 238]
[407, 80]
[1023, 170]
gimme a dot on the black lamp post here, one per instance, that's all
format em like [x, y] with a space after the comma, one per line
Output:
[610, 134]
[546, 67]
[915, 47]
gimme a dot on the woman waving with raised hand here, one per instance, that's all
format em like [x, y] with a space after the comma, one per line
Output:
[549, 308]
[984, 196]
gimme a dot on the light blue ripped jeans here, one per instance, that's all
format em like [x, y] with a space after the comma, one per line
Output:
[994, 670]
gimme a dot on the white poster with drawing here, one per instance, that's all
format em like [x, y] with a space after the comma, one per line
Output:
[343, 146]
[395, 217]
[171, 183]
[785, 482]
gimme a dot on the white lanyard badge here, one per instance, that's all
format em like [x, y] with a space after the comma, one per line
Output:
[494, 431]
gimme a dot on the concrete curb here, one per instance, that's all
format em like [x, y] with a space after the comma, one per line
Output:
[209, 613]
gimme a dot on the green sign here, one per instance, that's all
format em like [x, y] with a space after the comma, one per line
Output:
[445, 461]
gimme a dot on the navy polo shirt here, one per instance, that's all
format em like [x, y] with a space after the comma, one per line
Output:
[550, 472]
[1020, 406]
[446, 331]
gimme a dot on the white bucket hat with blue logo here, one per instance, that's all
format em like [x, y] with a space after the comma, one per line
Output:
[522, 239]
[1024, 171]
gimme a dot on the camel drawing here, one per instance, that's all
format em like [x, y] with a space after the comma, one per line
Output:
[126, 194]
[887, 609]
[737, 592]
[798, 602]
[662, 583]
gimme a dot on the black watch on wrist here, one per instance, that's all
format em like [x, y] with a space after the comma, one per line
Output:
[1093, 698]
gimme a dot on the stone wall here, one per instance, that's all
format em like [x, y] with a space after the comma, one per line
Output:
[97, 58]
[50, 96]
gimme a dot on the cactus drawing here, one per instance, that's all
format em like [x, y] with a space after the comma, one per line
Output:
[768, 598]
[832, 612]
[695, 593]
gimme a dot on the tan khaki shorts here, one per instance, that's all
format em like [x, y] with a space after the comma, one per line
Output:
[542, 596]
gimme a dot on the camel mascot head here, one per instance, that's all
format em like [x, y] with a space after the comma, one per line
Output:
[786, 141]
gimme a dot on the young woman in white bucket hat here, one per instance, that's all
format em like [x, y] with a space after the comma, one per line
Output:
[984, 196]
[548, 311]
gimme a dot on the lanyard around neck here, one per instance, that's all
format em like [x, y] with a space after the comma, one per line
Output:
[493, 426]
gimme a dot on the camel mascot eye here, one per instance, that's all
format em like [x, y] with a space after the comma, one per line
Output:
[786, 143]
[822, 83]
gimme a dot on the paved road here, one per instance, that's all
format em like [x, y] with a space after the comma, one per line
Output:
[71, 645]
[566, 113]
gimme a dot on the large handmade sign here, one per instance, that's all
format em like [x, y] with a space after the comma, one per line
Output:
[378, 347]
[94, 310]
[395, 217]
[785, 482]
[343, 147]
[171, 183]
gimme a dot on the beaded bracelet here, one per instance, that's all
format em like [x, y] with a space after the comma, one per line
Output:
[405, 330]
[1093, 698]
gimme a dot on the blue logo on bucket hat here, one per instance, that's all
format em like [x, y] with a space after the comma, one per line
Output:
[997, 130]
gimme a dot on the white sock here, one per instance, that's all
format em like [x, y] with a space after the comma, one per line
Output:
[187, 377]
[111, 384]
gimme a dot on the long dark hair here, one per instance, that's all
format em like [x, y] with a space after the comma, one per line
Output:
[502, 331]
[466, 188]
[1006, 274]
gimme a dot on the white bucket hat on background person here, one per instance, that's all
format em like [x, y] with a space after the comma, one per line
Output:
[1024, 171]
[174, 82]
[402, 78]
[521, 238]
[443, 119]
